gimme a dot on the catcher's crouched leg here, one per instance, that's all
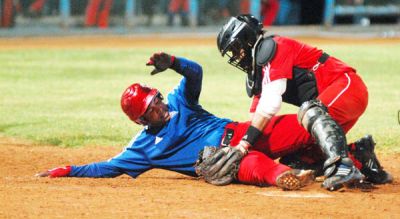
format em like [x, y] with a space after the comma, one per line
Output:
[339, 170]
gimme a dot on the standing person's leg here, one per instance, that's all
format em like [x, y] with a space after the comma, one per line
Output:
[104, 14]
[173, 8]
[269, 12]
[148, 9]
[7, 13]
[184, 12]
[283, 13]
[91, 12]
[244, 7]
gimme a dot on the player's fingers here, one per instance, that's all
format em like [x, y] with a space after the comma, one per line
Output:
[151, 61]
[222, 181]
[42, 174]
[155, 71]
[215, 157]
[217, 166]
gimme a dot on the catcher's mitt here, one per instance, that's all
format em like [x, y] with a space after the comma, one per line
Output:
[219, 166]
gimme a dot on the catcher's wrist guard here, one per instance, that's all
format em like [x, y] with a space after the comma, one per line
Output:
[251, 135]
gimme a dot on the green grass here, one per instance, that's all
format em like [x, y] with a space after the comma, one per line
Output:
[70, 97]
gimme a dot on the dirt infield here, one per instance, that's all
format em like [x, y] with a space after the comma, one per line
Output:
[163, 194]
[158, 193]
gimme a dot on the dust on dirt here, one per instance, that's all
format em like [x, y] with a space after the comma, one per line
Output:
[164, 194]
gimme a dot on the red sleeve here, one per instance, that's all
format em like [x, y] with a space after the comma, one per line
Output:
[282, 64]
[254, 104]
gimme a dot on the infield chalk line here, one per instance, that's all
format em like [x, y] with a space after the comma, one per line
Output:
[291, 194]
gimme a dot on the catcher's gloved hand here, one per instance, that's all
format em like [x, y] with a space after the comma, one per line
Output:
[161, 61]
[56, 172]
[219, 166]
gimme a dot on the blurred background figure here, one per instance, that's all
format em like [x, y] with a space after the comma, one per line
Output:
[201, 16]
[358, 18]
[105, 13]
[148, 9]
[180, 7]
[7, 13]
[217, 12]
[35, 9]
[289, 12]
[97, 13]
[38, 8]
[229, 8]
[312, 11]
[269, 11]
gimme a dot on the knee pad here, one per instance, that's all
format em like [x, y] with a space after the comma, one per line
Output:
[309, 111]
[328, 134]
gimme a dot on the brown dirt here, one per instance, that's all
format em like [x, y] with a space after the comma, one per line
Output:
[157, 193]
[164, 194]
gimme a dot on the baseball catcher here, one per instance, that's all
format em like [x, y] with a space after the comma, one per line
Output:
[330, 94]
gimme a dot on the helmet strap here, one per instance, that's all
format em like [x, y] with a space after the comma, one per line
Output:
[252, 78]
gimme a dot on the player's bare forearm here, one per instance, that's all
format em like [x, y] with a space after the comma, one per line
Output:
[259, 121]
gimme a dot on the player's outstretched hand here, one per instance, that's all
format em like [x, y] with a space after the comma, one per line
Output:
[56, 172]
[161, 61]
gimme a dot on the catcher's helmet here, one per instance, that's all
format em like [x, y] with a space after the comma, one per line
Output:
[135, 100]
[237, 38]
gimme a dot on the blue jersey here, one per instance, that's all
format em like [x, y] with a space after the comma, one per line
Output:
[177, 144]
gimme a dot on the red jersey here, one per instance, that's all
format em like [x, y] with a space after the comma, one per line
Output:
[291, 53]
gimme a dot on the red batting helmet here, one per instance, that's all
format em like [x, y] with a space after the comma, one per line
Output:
[135, 100]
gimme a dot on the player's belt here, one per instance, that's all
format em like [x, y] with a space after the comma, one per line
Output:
[322, 59]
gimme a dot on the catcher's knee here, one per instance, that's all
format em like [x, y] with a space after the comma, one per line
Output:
[309, 112]
[329, 135]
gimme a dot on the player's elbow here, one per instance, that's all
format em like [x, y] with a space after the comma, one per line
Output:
[270, 107]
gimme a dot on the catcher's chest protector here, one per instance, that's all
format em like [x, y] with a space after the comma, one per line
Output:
[264, 51]
[303, 85]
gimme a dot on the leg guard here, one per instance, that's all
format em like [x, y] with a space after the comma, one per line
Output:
[339, 170]
[328, 134]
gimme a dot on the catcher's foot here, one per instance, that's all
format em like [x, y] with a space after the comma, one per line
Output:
[295, 179]
[345, 175]
[371, 168]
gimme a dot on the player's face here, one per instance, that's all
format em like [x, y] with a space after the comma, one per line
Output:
[157, 113]
[236, 53]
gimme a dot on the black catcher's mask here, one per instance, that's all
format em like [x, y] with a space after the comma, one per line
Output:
[237, 38]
